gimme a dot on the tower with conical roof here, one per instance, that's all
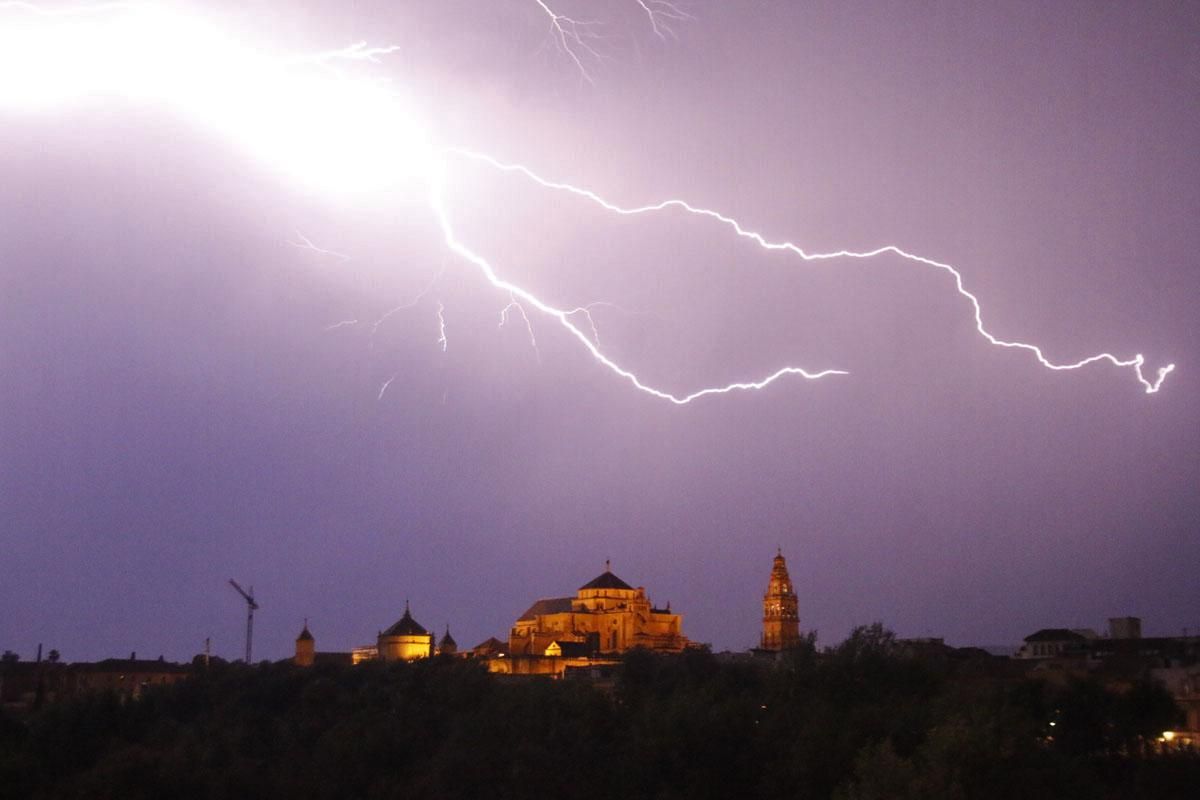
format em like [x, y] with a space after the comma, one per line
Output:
[306, 648]
[781, 610]
[447, 646]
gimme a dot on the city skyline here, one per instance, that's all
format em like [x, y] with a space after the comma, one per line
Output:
[211, 370]
[769, 613]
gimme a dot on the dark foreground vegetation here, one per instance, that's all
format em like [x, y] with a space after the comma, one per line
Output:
[861, 721]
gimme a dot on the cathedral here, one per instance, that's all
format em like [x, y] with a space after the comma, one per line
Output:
[781, 610]
[606, 616]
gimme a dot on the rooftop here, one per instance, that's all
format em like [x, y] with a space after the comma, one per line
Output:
[606, 580]
[549, 605]
[406, 626]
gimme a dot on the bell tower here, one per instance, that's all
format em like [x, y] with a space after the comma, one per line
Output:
[306, 648]
[781, 611]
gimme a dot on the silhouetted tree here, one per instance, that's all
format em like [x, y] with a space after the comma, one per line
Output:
[866, 719]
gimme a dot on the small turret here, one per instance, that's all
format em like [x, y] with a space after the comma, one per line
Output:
[306, 647]
[447, 646]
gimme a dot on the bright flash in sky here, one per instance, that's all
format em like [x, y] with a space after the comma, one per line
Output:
[303, 116]
[316, 119]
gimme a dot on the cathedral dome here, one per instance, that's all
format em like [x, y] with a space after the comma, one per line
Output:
[406, 626]
[406, 640]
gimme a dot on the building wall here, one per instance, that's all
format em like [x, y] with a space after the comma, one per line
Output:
[616, 620]
[548, 666]
[405, 648]
[1125, 628]
[23, 685]
[1049, 649]
[368, 652]
[306, 651]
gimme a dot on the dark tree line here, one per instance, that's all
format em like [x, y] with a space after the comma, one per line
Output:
[863, 720]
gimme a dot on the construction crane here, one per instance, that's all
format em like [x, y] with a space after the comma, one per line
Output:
[250, 607]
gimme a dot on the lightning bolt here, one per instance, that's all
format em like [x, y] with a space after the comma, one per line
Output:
[305, 243]
[577, 39]
[1136, 362]
[563, 316]
[441, 317]
[586, 312]
[504, 312]
[661, 14]
[359, 51]
[572, 38]
[383, 389]
[442, 341]
[337, 129]
[407, 305]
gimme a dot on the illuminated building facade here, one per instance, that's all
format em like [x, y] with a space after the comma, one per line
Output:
[606, 616]
[781, 609]
[406, 640]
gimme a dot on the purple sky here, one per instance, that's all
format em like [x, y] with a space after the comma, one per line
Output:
[174, 410]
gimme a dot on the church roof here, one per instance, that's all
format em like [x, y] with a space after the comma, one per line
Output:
[490, 645]
[304, 636]
[406, 626]
[606, 580]
[448, 639]
[551, 605]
